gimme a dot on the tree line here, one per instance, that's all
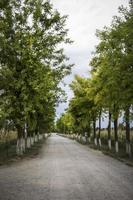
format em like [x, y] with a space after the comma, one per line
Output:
[32, 64]
[109, 88]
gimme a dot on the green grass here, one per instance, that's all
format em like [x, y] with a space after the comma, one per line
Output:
[7, 145]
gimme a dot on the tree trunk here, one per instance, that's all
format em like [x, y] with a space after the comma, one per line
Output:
[20, 142]
[116, 134]
[30, 139]
[94, 132]
[88, 134]
[7, 143]
[25, 136]
[127, 118]
[109, 131]
[99, 130]
[34, 138]
[37, 134]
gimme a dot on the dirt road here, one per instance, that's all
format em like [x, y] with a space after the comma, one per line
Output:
[67, 170]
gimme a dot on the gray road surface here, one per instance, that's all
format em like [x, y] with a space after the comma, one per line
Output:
[66, 170]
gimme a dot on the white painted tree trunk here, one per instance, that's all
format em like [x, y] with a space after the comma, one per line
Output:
[31, 140]
[95, 141]
[43, 135]
[109, 144]
[100, 143]
[25, 137]
[24, 144]
[38, 136]
[89, 139]
[83, 139]
[20, 148]
[28, 142]
[34, 137]
[128, 148]
[116, 147]
[86, 139]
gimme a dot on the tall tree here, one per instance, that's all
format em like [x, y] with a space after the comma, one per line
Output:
[32, 63]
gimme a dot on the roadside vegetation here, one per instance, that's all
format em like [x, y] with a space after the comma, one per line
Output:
[8, 141]
[107, 91]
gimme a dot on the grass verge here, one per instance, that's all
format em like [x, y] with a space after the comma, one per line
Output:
[7, 158]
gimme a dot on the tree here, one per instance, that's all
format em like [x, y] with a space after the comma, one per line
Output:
[32, 64]
[65, 123]
[112, 63]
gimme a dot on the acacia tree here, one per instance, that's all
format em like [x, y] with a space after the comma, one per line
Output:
[31, 62]
[112, 63]
[125, 38]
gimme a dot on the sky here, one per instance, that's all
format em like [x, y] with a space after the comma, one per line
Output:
[84, 18]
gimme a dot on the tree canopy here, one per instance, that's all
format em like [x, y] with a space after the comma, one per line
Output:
[32, 62]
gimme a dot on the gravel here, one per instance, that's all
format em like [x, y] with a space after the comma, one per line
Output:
[67, 170]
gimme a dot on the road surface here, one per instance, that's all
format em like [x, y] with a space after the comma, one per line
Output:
[67, 170]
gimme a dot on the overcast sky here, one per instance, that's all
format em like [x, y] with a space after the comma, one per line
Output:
[84, 17]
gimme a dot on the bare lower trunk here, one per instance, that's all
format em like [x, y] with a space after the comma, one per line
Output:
[38, 136]
[88, 133]
[116, 146]
[127, 117]
[94, 132]
[20, 147]
[99, 131]
[44, 136]
[89, 139]
[109, 132]
[128, 148]
[30, 139]
[28, 142]
[34, 137]
[99, 141]
[116, 135]
[95, 141]
[25, 136]
[109, 144]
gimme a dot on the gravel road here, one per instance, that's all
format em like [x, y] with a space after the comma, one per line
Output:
[67, 170]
